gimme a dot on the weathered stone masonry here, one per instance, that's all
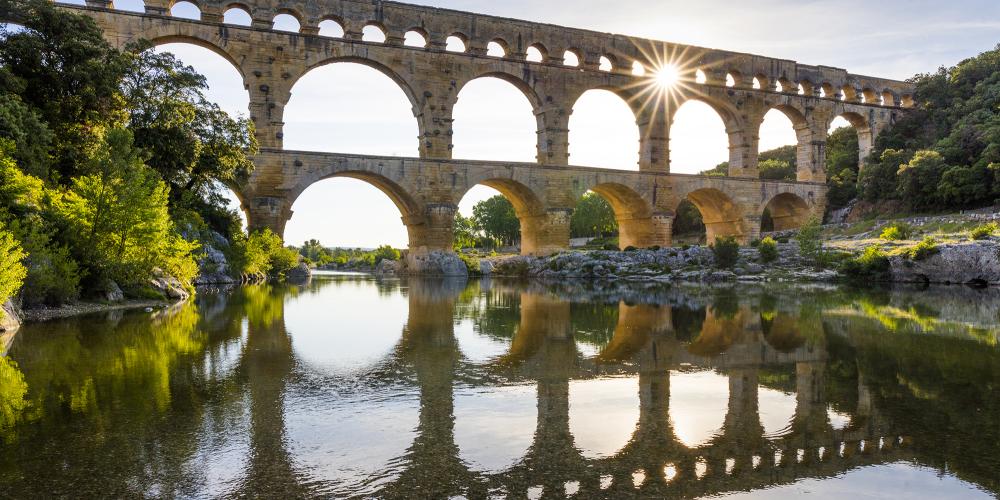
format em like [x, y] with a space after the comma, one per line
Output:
[427, 189]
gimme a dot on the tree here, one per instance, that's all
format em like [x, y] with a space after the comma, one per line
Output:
[810, 244]
[466, 232]
[315, 253]
[12, 270]
[62, 68]
[119, 218]
[497, 219]
[778, 170]
[917, 181]
[190, 142]
[877, 181]
[842, 167]
[593, 218]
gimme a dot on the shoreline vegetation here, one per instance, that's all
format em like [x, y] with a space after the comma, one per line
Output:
[113, 162]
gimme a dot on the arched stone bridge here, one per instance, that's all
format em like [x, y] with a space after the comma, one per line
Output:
[741, 88]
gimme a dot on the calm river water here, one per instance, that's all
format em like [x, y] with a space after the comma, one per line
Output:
[352, 387]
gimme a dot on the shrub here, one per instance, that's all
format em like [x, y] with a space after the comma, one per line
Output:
[923, 250]
[471, 264]
[283, 259]
[768, 249]
[726, 251]
[897, 231]
[810, 244]
[12, 270]
[755, 243]
[984, 231]
[872, 264]
[631, 248]
[386, 252]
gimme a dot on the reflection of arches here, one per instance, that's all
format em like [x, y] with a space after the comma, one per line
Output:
[782, 332]
[718, 333]
[788, 211]
[603, 131]
[336, 93]
[721, 215]
[485, 102]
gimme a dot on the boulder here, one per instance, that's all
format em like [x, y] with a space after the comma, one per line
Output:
[213, 268]
[436, 263]
[964, 263]
[169, 286]
[112, 292]
[300, 274]
[389, 268]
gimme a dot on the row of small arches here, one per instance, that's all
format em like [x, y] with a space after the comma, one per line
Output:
[537, 53]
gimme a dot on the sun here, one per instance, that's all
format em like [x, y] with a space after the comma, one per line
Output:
[667, 76]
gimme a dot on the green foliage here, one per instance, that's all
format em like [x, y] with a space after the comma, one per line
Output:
[952, 136]
[466, 232]
[984, 231]
[768, 250]
[688, 219]
[64, 70]
[385, 252]
[53, 276]
[121, 227]
[926, 248]
[12, 270]
[897, 231]
[778, 170]
[29, 136]
[315, 253]
[726, 251]
[496, 218]
[251, 254]
[872, 264]
[809, 238]
[842, 166]
[189, 141]
[471, 264]
[593, 218]
[283, 259]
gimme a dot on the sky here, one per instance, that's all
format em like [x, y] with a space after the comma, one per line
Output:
[349, 108]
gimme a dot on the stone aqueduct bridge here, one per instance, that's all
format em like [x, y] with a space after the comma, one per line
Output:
[427, 189]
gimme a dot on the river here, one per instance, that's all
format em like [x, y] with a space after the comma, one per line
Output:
[353, 387]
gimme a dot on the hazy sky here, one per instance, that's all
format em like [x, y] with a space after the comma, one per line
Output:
[354, 109]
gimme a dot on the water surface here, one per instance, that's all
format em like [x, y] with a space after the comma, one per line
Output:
[352, 387]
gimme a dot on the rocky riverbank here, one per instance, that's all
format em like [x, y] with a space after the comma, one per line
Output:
[972, 263]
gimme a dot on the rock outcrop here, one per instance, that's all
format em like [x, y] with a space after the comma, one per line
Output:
[213, 268]
[168, 286]
[436, 263]
[973, 263]
[299, 275]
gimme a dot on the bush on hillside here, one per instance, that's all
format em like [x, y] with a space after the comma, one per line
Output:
[726, 251]
[768, 250]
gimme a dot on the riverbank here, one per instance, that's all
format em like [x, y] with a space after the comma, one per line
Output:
[50, 313]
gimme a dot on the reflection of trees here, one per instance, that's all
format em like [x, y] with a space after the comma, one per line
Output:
[594, 323]
[943, 390]
[12, 392]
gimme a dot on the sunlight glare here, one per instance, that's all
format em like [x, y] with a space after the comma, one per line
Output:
[667, 76]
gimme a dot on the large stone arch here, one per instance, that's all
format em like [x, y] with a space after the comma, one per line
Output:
[533, 100]
[639, 225]
[742, 141]
[723, 216]
[540, 234]
[863, 127]
[809, 146]
[788, 210]
[575, 96]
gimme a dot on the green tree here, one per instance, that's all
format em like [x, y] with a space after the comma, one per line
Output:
[189, 141]
[466, 232]
[877, 181]
[593, 218]
[497, 219]
[62, 68]
[810, 244]
[842, 167]
[119, 219]
[778, 170]
[12, 270]
[313, 251]
[917, 181]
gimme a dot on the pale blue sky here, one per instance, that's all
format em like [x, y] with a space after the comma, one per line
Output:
[337, 108]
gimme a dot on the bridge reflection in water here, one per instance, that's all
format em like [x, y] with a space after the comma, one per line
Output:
[555, 337]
